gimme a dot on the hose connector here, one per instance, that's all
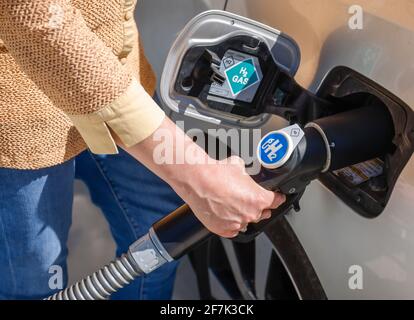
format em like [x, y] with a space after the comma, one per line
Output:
[149, 253]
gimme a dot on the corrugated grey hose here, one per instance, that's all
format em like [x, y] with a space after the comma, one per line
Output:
[104, 282]
[144, 256]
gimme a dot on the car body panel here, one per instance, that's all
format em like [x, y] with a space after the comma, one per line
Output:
[335, 237]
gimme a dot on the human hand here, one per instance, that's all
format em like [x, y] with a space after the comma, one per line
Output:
[224, 198]
[220, 193]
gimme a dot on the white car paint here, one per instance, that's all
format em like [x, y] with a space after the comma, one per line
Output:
[334, 236]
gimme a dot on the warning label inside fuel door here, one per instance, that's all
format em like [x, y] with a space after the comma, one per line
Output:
[359, 173]
[243, 77]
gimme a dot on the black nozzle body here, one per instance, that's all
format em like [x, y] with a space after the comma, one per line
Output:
[180, 231]
[357, 135]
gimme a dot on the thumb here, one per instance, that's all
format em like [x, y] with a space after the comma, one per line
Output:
[276, 199]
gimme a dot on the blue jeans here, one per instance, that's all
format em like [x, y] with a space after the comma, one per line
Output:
[35, 217]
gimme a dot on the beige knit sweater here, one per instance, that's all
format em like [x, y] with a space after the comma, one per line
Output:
[71, 70]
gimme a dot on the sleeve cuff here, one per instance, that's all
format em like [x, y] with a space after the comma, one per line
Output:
[133, 117]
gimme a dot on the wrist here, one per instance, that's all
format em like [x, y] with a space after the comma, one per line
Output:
[175, 158]
[190, 174]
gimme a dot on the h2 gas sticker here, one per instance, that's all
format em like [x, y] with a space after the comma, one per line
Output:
[243, 77]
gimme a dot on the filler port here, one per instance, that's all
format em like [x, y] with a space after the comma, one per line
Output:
[367, 186]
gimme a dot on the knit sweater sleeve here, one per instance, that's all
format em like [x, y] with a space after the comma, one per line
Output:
[52, 44]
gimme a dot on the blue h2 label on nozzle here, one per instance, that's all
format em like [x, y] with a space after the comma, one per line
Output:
[273, 148]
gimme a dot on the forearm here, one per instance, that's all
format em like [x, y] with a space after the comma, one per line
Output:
[186, 162]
